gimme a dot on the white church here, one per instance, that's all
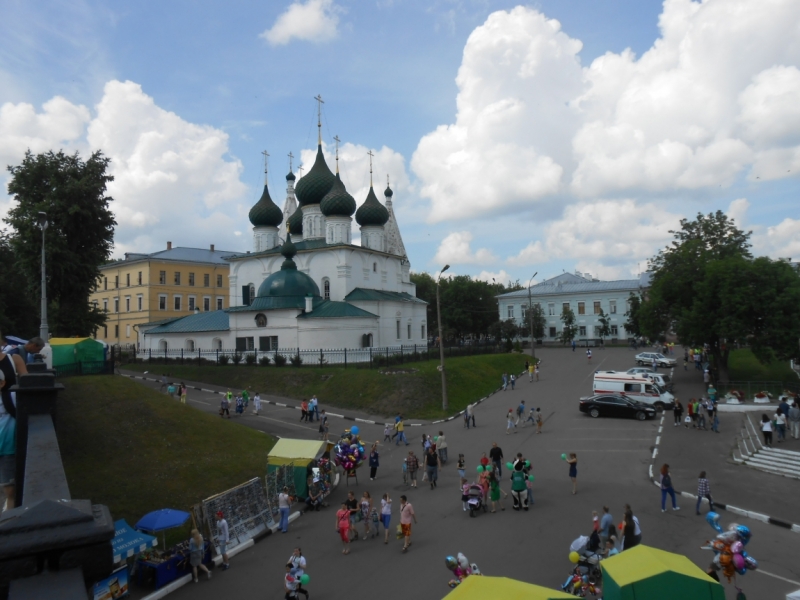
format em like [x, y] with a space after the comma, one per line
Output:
[305, 285]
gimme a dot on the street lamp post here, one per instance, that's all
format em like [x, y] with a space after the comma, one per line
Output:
[530, 318]
[441, 339]
[44, 332]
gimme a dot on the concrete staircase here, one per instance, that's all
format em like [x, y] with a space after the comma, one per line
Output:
[751, 451]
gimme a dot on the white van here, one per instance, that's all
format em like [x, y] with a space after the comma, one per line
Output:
[636, 387]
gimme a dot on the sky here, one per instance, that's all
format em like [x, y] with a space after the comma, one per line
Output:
[560, 135]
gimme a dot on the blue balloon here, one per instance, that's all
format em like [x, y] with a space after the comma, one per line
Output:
[712, 519]
[750, 562]
[744, 533]
[354, 430]
[741, 571]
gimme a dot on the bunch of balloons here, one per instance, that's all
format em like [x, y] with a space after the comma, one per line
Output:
[461, 568]
[729, 554]
[349, 450]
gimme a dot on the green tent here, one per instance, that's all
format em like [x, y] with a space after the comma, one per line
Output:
[85, 353]
[645, 572]
[298, 453]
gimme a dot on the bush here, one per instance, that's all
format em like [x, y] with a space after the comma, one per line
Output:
[264, 360]
[250, 358]
[296, 360]
[517, 346]
[280, 360]
[237, 358]
[509, 345]
[224, 359]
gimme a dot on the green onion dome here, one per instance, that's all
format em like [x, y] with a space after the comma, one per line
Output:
[295, 222]
[388, 192]
[265, 213]
[337, 202]
[313, 186]
[290, 176]
[372, 212]
[288, 281]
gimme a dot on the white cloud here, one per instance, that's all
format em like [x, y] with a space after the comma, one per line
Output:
[491, 277]
[314, 21]
[737, 210]
[713, 99]
[455, 250]
[781, 241]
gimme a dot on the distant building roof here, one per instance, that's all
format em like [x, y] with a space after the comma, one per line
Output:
[159, 322]
[567, 283]
[195, 255]
[329, 309]
[303, 246]
[216, 320]
[368, 295]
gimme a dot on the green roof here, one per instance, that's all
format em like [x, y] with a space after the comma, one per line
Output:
[337, 202]
[159, 322]
[205, 321]
[295, 222]
[265, 213]
[288, 282]
[329, 309]
[312, 187]
[368, 295]
[372, 212]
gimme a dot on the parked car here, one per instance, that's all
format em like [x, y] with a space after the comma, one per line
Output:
[611, 405]
[639, 370]
[646, 358]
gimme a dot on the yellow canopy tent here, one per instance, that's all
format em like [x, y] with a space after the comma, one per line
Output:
[478, 587]
[645, 572]
[299, 453]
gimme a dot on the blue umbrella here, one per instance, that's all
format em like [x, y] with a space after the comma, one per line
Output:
[159, 520]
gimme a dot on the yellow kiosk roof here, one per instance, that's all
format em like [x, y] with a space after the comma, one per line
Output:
[479, 587]
[298, 451]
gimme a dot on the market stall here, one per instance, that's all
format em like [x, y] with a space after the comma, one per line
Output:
[167, 565]
[87, 354]
[304, 456]
[645, 572]
[127, 542]
[478, 587]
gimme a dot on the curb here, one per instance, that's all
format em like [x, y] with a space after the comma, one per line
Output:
[719, 505]
[458, 414]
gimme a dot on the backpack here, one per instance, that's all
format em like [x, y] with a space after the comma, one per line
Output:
[374, 515]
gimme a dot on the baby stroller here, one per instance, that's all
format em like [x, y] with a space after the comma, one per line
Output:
[586, 576]
[475, 500]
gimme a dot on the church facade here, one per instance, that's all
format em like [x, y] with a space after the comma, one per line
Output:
[305, 285]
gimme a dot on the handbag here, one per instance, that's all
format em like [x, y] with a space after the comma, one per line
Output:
[687, 419]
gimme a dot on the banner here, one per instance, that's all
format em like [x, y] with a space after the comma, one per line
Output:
[112, 587]
[246, 510]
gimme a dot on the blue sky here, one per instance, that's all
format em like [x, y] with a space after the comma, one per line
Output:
[558, 135]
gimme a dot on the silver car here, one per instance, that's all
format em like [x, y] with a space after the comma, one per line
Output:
[647, 358]
[639, 371]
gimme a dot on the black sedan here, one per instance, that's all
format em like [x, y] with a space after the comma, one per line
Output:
[610, 405]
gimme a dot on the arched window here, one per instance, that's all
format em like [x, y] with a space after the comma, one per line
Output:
[252, 293]
[216, 344]
[326, 288]
[261, 320]
[366, 340]
[162, 344]
[189, 345]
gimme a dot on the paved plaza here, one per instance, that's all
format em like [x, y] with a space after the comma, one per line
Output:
[613, 460]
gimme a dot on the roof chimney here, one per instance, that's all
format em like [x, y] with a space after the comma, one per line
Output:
[309, 303]
[212, 247]
[169, 245]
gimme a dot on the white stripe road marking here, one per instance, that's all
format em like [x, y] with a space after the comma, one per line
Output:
[767, 573]
[658, 439]
[660, 429]
[199, 401]
[655, 453]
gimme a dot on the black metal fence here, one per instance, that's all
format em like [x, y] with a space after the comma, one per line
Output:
[339, 357]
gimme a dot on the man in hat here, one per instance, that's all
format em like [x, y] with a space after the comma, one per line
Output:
[223, 537]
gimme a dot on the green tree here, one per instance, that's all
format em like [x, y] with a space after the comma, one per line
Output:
[605, 325]
[632, 323]
[536, 321]
[570, 329]
[505, 330]
[19, 313]
[79, 236]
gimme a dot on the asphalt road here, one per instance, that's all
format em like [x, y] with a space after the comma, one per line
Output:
[613, 454]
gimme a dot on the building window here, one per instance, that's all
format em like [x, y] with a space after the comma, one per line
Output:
[116, 331]
[105, 283]
[510, 311]
[581, 308]
[582, 330]
[326, 288]
[374, 267]
[177, 277]
[105, 331]
[139, 302]
[206, 304]
[597, 331]
[127, 280]
[252, 294]
[552, 332]
[127, 331]
[422, 331]
[409, 331]
[162, 277]
[267, 343]
[177, 302]
[398, 329]
[139, 279]
[162, 302]
[597, 309]
[127, 304]
[116, 281]
[551, 309]
[192, 303]
[565, 306]
[261, 320]
[219, 304]
[614, 330]
[612, 307]
[105, 304]
[206, 279]
[190, 345]
[219, 280]
[116, 305]
[244, 343]
[191, 281]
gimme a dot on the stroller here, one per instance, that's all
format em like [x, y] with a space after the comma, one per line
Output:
[475, 501]
[586, 577]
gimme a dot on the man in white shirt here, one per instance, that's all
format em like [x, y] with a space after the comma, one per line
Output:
[223, 537]
[312, 408]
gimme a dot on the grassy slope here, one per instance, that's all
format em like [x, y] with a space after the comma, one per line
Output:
[417, 394]
[743, 366]
[134, 450]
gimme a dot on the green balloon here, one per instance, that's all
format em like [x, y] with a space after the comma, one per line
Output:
[527, 464]
[509, 465]
[436, 438]
[530, 477]
[480, 468]
[304, 579]
[563, 457]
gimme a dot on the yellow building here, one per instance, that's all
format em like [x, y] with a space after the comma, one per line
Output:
[143, 288]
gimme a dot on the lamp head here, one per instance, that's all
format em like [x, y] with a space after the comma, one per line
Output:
[445, 268]
[41, 220]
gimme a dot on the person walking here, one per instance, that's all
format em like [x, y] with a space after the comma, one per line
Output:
[223, 537]
[246, 398]
[677, 412]
[703, 491]
[794, 420]
[297, 562]
[536, 369]
[407, 514]
[354, 507]
[531, 417]
[539, 420]
[519, 495]
[343, 527]
[197, 550]
[461, 466]
[573, 345]
[505, 381]
[412, 465]
[531, 370]
[496, 454]
[304, 410]
[312, 408]
[513, 380]
[401, 434]
[572, 461]
[315, 400]
[780, 424]
[183, 393]
[690, 409]
[432, 466]
[666, 488]
[510, 424]
[606, 525]
[163, 385]
[588, 356]
[323, 426]
[284, 504]
[701, 415]
[520, 412]
[632, 532]
[471, 409]
[766, 429]
[373, 461]
[494, 492]
[366, 510]
[225, 407]
[441, 446]
[256, 403]
[386, 516]
[387, 433]
[714, 418]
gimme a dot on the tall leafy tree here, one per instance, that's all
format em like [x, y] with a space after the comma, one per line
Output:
[570, 329]
[79, 237]
[19, 313]
[632, 314]
[536, 321]
[605, 325]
